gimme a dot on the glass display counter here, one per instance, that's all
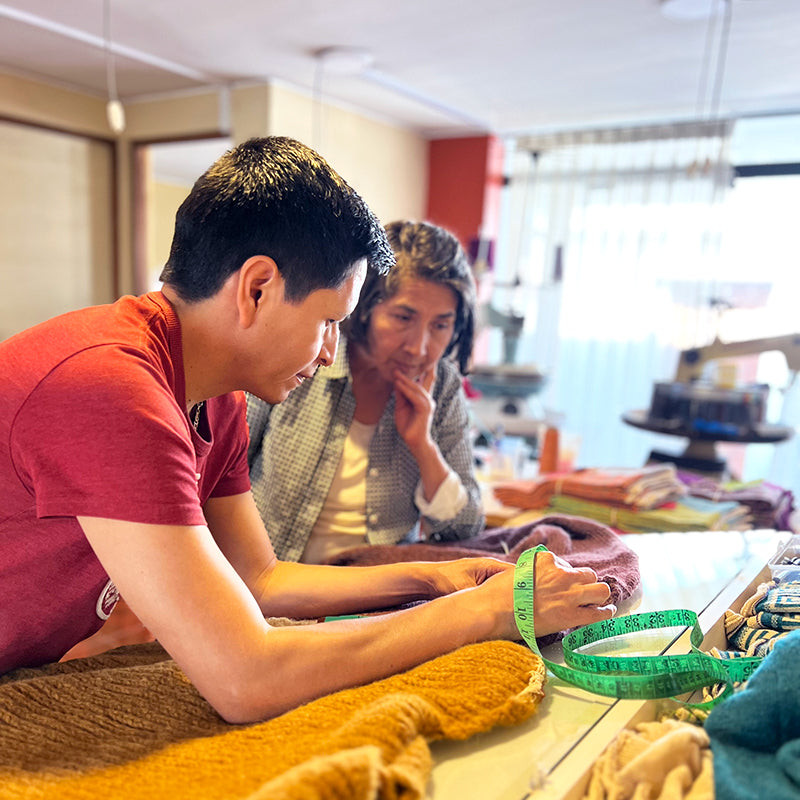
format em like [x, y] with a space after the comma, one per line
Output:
[549, 756]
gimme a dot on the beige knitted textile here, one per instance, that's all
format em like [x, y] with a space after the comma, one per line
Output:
[129, 724]
[668, 760]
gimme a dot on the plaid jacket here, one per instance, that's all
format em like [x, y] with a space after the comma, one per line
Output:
[295, 449]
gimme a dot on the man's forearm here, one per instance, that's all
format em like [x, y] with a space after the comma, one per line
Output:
[295, 664]
[307, 591]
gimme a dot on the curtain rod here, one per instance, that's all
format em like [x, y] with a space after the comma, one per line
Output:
[633, 133]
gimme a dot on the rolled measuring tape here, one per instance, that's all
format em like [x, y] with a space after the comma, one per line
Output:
[635, 676]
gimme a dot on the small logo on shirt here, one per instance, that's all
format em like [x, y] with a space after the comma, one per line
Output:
[107, 600]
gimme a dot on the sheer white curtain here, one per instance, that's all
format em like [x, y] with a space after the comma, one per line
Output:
[610, 248]
[761, 241]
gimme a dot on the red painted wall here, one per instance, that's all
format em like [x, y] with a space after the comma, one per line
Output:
[465, 176]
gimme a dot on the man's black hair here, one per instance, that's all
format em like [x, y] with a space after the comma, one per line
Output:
[275, 197]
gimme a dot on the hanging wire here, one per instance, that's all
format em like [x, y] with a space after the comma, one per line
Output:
[527, 219]
[114, 109]
[341, 60]
[705, 68]
[720, 160]
[708, 109]
[111, 75]
[722, 53]
[316, 103]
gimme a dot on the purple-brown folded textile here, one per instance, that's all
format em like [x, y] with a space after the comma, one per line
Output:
[580, 541]
[771, 506]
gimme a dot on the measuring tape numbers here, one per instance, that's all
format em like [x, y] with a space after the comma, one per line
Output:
[630, 676]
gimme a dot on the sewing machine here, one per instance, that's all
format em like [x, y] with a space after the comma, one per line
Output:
[693, 360]
[706, 411]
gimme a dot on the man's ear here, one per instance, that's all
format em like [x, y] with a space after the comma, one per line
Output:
[259, 285]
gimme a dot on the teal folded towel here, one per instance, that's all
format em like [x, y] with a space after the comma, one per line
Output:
[755, 734]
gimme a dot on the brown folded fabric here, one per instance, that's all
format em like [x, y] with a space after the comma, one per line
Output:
[638, 489]
[129, 724]
[580, 541]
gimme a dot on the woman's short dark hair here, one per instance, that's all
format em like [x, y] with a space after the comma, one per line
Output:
[427, 252]
[272, 196]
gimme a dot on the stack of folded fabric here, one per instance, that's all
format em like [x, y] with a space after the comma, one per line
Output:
[771, 506]
[630, 500]
[687, 514]
[765, 618]
[645, 488]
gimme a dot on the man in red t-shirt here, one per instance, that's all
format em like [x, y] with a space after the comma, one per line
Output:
[123, 461]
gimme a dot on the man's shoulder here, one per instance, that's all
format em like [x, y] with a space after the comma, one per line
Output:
[130, 321]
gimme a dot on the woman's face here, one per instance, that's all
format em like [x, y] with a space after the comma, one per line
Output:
[410, 331]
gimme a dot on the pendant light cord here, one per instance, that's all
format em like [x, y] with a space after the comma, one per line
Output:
[111, 75]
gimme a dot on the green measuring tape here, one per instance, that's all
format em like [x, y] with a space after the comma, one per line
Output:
[635, 676]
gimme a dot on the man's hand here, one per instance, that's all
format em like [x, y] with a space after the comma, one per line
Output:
[447, 577]
[567, 597]
[564, 597]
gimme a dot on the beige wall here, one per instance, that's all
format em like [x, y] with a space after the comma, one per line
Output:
[386, 165]
[56, 225]
[49, 107]
[163, 201]
[388, 168]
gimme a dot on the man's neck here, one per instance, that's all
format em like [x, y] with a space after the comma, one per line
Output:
[199, 346]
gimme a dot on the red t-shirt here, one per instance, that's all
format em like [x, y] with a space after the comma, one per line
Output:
[93, 423]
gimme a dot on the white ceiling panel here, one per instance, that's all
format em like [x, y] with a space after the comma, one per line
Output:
[441, 67]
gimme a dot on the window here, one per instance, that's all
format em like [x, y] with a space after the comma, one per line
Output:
[622, 248]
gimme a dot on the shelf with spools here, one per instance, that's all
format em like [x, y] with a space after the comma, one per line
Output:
[706, 413]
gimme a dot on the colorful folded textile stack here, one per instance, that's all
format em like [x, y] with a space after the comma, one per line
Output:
[652, 498]
[771, 506]
[645, 488]
[686, 514]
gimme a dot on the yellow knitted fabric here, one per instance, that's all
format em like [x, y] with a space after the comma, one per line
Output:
[98, 728]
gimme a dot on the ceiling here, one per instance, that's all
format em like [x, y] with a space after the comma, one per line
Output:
[441, 67]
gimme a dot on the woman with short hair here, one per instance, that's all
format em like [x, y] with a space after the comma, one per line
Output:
[376, 447]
